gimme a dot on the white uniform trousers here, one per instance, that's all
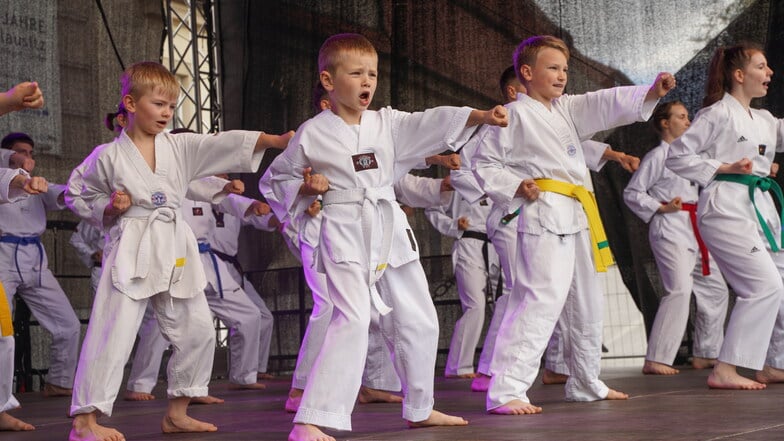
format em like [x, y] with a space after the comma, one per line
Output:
[471, 276]
[379, 372]
[558, 276]
[505, 244]
[114, 321]
[7, 400]
[54, 312]
[265, 332]
[95, 277]
[680, 268]
[237, 311]
[755, 275]
[150, 347]
[412, 328]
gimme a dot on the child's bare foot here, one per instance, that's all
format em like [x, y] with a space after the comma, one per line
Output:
[51, 390]
[552, 377]
[264, 376]
[725, 376]
[251, 386]
[185, 424]
[293, 400]
[308, 432]
[137, 396]
[481, 383]
[613, 394]
[703, 363]
[769, 374]
[85, 427]
[516, 407]
[460, 376]
[369, 395]
[654, 368]
[209, 399]
[437, 418]
[7, 422]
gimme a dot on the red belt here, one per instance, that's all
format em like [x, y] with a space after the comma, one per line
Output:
[692, 209]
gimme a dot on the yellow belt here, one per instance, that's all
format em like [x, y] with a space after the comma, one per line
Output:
[602, 256]
[6, 321]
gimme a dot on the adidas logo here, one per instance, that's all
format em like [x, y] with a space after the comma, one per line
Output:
[742, 139]
[754, 250]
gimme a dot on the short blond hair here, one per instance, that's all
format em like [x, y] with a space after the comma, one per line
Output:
[148, 76]
[336, 46]
[529, 49]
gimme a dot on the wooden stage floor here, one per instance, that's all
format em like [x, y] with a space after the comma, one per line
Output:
[680, 407]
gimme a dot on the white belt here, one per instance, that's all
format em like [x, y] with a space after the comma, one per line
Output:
[163, 214]
[384, 199]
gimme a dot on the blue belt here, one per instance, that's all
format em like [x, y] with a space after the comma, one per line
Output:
[204, 247]
[25, 240]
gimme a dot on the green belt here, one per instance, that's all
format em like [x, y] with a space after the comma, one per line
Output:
[764, 184]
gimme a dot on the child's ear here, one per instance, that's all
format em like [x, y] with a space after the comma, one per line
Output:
[527, 72]
[738, 76]
[129, 103]
[326, 80]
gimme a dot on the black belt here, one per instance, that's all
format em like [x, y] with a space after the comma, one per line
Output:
[475, 235]
[233, 261]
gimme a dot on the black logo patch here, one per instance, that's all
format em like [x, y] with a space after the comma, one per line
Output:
[762, 148]
[197, 211]
[364, 161]
[754, 250]
[219, 222]
[742, 139]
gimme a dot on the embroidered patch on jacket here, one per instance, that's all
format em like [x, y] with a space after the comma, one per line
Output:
[754, 250]
[197, 211]
[742, 139]
[364, 161]
[762, 148]
[158, 199]
[571, 151]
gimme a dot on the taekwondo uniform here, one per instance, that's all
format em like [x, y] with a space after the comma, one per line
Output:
[364, 234]
[682, 262]
[730, 209]
[553, 239]
[474, 263]
[88, 240]
[151, 255]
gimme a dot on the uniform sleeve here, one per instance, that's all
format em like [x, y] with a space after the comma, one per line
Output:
[439, 216]
[684, 158]
[489, 164]
[463, 179]
[282, 181]
[422, 134]
[7, 193]
[88, 191]
[5, 158]
[54, 197]
[636, 192]
[608, 108]
[83, 241]
[593, 152]
[225, 152]
[780, 135]
[418, 191]
[210, 189]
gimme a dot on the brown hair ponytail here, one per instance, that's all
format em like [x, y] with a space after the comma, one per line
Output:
[725, 61]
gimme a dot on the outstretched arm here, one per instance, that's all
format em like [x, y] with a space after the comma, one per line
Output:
[25, 95]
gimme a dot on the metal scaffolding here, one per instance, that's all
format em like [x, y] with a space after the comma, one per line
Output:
[192, 53]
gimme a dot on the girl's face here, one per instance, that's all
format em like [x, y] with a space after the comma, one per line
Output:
[755, 77]
[678, 121]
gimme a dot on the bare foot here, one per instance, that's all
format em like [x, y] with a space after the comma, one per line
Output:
[7, 422]
[137, 396]
[613, 394]
[769, 374]
[703, 363]
[308, 432]
[461, 376]
[516, 407]
[481, 383]
[86, 428]
[725, 376]
[251, 386]
[654, 368]
[209, 399]
[552, 377]
[51, 390]
[368, 395]
[437, 418]
[185, 424]
[264, 376]
[293, 400]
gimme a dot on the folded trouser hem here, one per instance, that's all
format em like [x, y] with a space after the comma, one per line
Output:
[321, 418]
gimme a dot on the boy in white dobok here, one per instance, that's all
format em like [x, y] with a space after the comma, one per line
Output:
[356, 154]
[556, 269]
[669, 204]
[132, 188]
